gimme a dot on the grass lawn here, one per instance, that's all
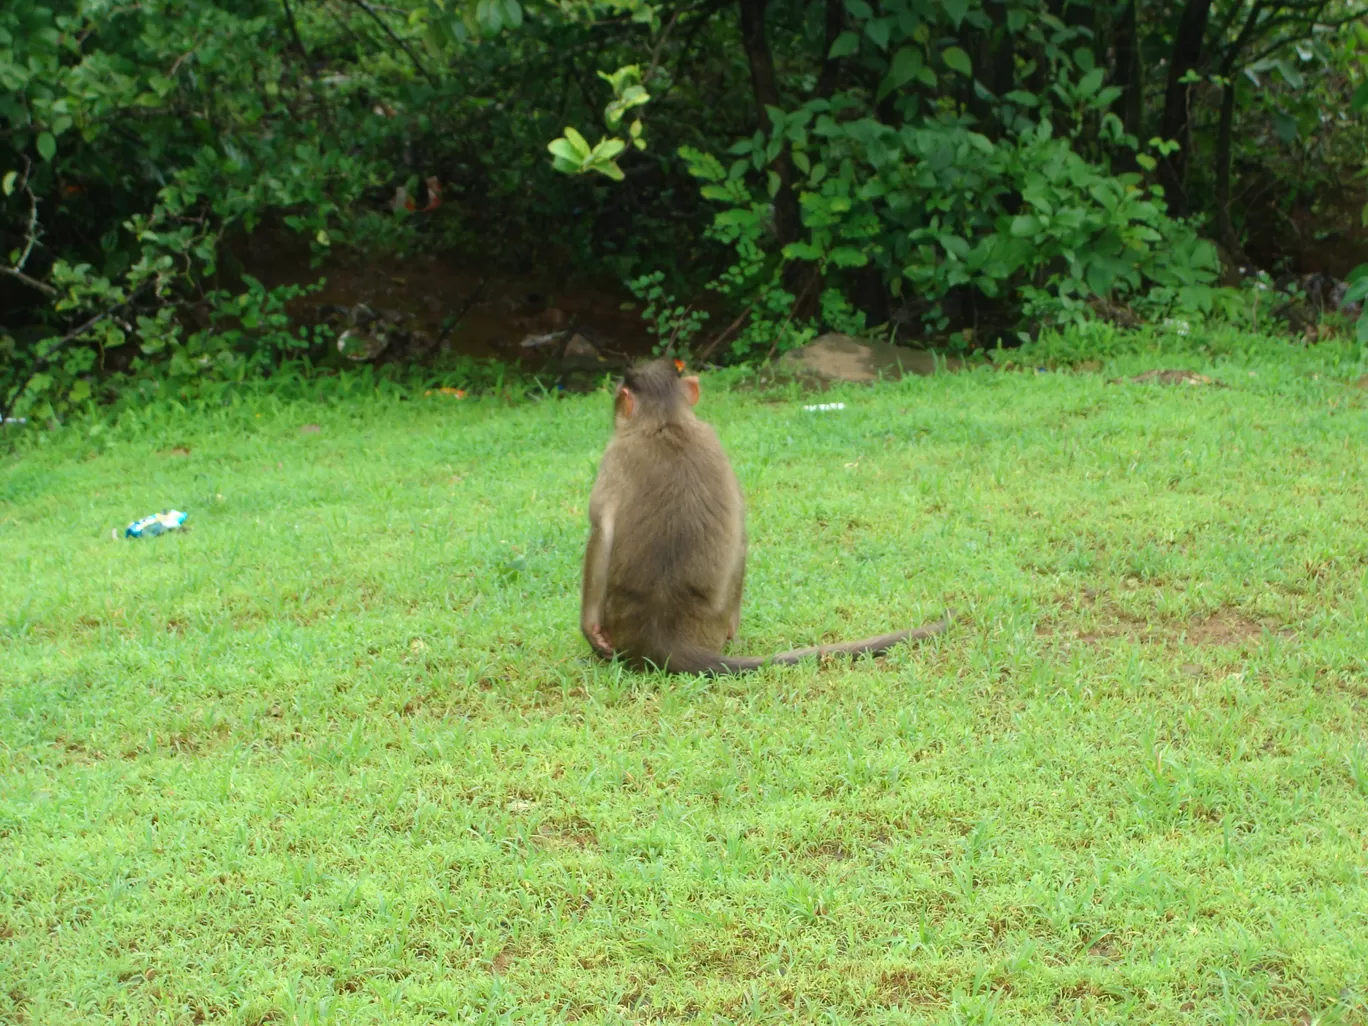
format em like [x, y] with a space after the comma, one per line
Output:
[337, 753]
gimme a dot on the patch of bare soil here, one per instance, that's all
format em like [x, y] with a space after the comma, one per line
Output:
[1224, 628]
[1170, 377]
[442, 305]
[575, 833]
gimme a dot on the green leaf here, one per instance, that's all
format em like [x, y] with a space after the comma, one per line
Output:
[1022, 98]
[846, 44]
[1024, 225]
[562, 150]
[957, 60]
[611, 170]
[878, 30]
[1285, 125]
[848, 256]
[7, 185]
[47, 146]
[956, 10]
[1091, 82]
[1359, 101]
[1291, 75]
[80, 391]
[488, 15]
[802, 251]
[955, 246]
[903, 68]
[577, 141]
[859, 9]
[512, 13]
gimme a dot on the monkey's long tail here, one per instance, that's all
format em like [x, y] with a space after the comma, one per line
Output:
[690, 659]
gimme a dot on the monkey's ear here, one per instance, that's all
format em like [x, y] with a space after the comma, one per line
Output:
[690, 388]
[626, 401]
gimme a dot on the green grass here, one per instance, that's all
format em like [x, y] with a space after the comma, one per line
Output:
[337, 754]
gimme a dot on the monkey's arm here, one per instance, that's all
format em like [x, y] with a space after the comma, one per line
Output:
[594, 590]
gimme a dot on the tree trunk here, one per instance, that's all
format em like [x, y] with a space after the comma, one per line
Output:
[787, 218]
[994, 61]
[1225, 231]
[835, 22]
[1176, 124]
[1130, 79]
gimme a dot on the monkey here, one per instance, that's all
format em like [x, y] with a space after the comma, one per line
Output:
[665, 562]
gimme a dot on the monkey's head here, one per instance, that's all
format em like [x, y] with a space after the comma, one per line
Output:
[654, 390]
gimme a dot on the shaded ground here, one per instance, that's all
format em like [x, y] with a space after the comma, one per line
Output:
[455, 308]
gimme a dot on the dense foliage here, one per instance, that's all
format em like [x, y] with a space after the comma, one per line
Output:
[933, 166]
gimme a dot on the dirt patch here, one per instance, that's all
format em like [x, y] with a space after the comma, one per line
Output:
[1169, 377]
[576, 833]
[837, 357]
[1224, 628]
[907, 988]
[447, 306]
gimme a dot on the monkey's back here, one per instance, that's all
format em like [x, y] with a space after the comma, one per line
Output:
[678, 533]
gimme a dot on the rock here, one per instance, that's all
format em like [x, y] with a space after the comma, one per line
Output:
[361, 345]
[580, 348]
[541, 341]
[837, 357]
[1114, 313]
[580, 354]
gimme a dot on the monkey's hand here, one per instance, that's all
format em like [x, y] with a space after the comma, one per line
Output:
[599, 640]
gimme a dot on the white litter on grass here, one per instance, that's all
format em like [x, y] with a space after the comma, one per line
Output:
[824, 406]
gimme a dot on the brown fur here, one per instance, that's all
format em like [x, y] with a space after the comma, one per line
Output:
[666, 559]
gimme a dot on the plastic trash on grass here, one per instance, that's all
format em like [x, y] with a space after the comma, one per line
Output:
[157, 523]
[823, 406]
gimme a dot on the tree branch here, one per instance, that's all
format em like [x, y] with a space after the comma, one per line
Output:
[1274, 47]
[40, 362]
[33, 283]
[30, 240]
[298, 40]
[384, 27]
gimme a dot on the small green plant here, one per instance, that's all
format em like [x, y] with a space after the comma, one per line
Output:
[1358, 293]
[672, 323]
[1357, 764]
